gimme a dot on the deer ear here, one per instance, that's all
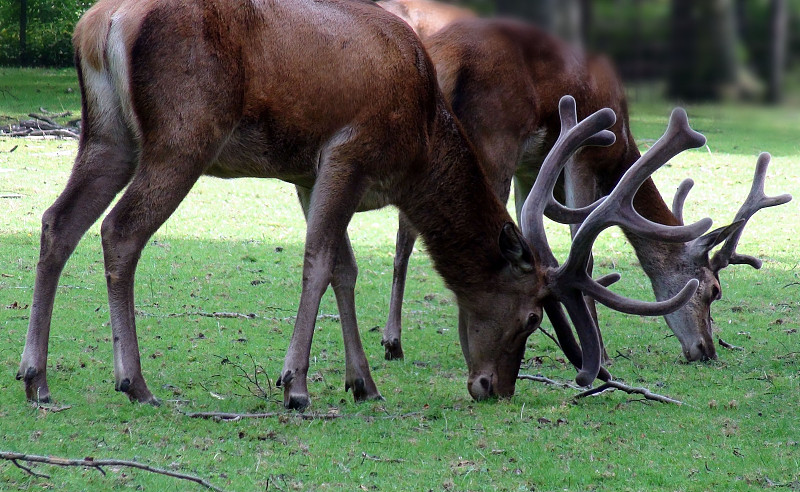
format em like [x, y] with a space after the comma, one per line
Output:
[514, 248]
[709, 241]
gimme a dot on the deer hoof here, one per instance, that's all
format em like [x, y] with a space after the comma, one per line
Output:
[137, 393]
[393, 349]
[363, 391]
[124, 386]
[297, 402]
[36, 389]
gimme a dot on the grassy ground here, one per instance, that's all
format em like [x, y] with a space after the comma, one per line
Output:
[236, 246]
[26, 90]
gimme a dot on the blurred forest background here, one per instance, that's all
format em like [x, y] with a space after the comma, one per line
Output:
[680, 49]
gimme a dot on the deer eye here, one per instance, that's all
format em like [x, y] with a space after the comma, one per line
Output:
[533, 321]
[716, 293]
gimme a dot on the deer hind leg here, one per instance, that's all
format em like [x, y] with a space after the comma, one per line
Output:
[103, 166]
[406, 237]
[162, 181]
[337, 192]
[357, 374]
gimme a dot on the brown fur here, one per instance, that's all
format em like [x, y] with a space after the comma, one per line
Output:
[335, 96]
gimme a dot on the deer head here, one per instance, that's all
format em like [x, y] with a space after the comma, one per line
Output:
[699, 264]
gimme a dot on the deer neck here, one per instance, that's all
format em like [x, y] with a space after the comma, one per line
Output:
[455, 210]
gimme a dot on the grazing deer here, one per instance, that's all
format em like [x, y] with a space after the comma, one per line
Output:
[337, 97]
[503, 80]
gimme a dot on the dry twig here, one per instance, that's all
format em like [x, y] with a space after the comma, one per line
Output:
[233, 417]
[608, 385]
[365, 456]
[724, 344]
[49, 407]
[97, 464]
[542, 379]
[612, 385]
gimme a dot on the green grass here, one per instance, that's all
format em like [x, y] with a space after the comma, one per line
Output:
[26, 90]
[236, 246]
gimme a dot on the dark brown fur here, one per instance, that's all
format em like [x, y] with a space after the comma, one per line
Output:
[337, 97]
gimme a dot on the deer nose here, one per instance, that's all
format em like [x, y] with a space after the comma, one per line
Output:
[481, 387]
[701, 351]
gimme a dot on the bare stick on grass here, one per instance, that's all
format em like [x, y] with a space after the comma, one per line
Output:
[98, 464]
[608, 385]
[612, 385]
[285, 416]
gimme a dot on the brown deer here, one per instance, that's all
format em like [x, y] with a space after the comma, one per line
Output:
[503, 80]
[337, 97]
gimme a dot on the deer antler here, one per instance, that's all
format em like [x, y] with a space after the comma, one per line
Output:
[755, 201]
[680, 198]
[569, 282]
[678, 137]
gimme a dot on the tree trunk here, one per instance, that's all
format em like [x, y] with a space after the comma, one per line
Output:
[777, 52]
[703, 44]
[538, 11]
[563, 18]
[23, 30]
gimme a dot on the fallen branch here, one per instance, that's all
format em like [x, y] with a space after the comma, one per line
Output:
[98, 464]
[612, 385]
[365, 456]
[56, 132]
[40, 126]
[55, 115]
[28, 470]
[232, 315]
[44, 118]
[608, 385]
[724, 344]
[234, 417]
[542, 379]
[50, 408]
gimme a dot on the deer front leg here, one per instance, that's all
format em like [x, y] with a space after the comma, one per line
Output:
[345, 273]
[330, 206]
[100, 172]
[406, 237]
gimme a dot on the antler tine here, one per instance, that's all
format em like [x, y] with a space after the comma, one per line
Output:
[569, 119]
[677, 138]
[755, 201]
[680, 198]
[591, 130]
